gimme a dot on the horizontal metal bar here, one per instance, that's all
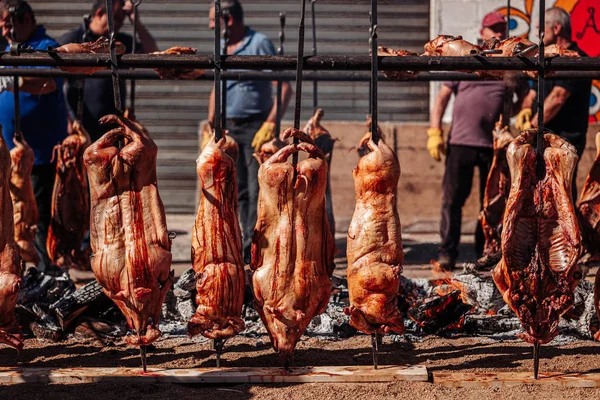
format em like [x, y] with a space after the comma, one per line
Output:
[321, 63]
[321, 76]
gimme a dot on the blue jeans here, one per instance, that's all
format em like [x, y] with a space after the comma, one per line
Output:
[247, 178]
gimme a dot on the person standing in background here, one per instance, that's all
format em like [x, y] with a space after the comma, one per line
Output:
[43, 113]
[477, 107]
[566, 102]
[98, 96]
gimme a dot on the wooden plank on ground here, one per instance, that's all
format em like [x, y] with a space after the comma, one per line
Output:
[214, 375]
[504, 379]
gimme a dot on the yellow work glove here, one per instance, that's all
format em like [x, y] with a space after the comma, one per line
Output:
[523, 119]
[264, 134]
[435, 143]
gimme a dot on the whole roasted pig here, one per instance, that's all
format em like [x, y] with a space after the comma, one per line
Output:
[70, 202]
[10, 265]
[24, 204]
[589, 211]
[375, 244]
[292, 246]
[217, 247]
[396, 75]
[170, 73]
[538, 271]
[447, 45]
[496, 192]
[128, 231]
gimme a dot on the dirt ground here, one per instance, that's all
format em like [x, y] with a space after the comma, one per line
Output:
[438, 354]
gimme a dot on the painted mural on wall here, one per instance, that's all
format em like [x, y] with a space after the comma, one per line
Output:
[585, 21]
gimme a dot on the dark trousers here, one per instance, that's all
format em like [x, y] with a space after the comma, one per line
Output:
[247, 178]
[42, 178]
[456, 187]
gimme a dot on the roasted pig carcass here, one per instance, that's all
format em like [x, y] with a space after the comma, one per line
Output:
[496, 192]
[551, 51]
[453, 46]
[396, 75]
[10, 265]
[230, 147]
[589, 213]
[292, 246]
[375, 244]
[128, 233]
[100, 46]
[170, 73]
[24, 204]
[324, 142]
[538, 271]
[217, 247]
[268, 149]
[510, 47]
[70, 202]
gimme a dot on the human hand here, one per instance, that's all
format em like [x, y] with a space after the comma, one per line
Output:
[523, 119]
[129, 10]
[264, 134]
[435, 143]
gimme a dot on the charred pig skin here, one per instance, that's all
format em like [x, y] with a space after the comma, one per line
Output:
[538, 271]
[128, 231]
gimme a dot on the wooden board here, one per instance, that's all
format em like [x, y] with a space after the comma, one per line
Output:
[214, 375]
[504, 379]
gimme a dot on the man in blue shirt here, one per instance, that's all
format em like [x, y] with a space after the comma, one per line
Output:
[251, 112]
[43, 113]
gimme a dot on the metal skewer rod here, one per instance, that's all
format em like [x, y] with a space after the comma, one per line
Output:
[540, 90]
[224, 82]
[375, 347]
[113, 57]
[218, 345]
[299, 68]
[507, 19]
[536, 360]
[81, 81]
[134, 34]
[374, 69]
[217, 64]
[144, 358]
[279, 82]
[314, 52]
[15, 45]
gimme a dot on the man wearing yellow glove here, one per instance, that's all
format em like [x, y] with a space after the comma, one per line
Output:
[477, 107]
[251, 112]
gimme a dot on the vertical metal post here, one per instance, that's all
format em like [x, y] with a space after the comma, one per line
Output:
[279, 82]
[134, 34]
[224, 82]
[113, 57]
[536, 360]
[299, 68]
[314, 52]
[16, 91]
[540, 88]
[507, 18]
[81, 82]
[217, 61]
[374, 69]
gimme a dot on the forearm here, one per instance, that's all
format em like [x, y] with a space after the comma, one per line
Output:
[211, 107]
[286, 96]
[551, 108]
[437, 113]
[529, 99]
[148, 42]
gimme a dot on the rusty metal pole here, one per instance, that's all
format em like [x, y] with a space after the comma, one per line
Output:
[135, 19]
[299, 68]
[113, 58]
[374, 69]
[217, 64]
